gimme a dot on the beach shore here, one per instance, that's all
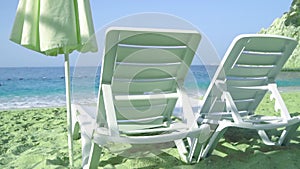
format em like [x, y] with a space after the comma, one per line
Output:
[37, 138]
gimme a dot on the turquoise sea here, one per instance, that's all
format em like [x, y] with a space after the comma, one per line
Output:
[29, 87]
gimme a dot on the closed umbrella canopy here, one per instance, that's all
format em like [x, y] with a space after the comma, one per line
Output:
[54, 27]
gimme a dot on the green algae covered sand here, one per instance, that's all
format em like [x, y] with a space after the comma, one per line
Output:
[37, 138]
[33, 138]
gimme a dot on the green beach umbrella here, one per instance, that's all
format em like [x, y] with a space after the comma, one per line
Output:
[54, 27]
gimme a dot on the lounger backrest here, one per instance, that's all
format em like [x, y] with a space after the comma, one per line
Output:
[144, 68]
[251, 62]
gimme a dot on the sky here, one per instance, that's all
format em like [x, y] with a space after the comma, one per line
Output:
[219, 20]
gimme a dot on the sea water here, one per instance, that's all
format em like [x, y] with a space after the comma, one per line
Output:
[45, 87]
[31, 87]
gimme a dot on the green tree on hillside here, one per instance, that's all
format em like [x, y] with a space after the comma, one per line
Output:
[293, 16]
[288, 25]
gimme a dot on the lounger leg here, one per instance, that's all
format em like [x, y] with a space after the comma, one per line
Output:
[86, 147]
[287, 134]
[185, 155]
[75, 124]
[94, 158]
[75, 131]
[197, 146]
[181, 149]
[90, 153]
[195, 151]
[265, 138]
[213, 141]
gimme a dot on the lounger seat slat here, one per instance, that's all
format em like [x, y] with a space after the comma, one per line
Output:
[140, 71]
[140, 86]
[255, 66]
[152, 47]
[152, 38]
[248, 72]
[123, 80]
[148, 96]
[252, 59]
[155, 119]
[257, 53]
[147, 64]
[141, 103]
[247, 81]
[148, 55]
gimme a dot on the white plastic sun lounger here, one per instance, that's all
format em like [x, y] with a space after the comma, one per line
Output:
[141, 80]
[246, 73]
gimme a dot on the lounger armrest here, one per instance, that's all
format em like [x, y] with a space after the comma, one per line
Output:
[221, 85]
[110, 110]
[188, 114]
[231, 107]
[279, 103]
[85, 116]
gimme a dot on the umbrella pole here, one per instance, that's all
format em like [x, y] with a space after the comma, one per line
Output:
[68, 103]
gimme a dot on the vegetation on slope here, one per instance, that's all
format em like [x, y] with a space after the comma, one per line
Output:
[288, 25]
